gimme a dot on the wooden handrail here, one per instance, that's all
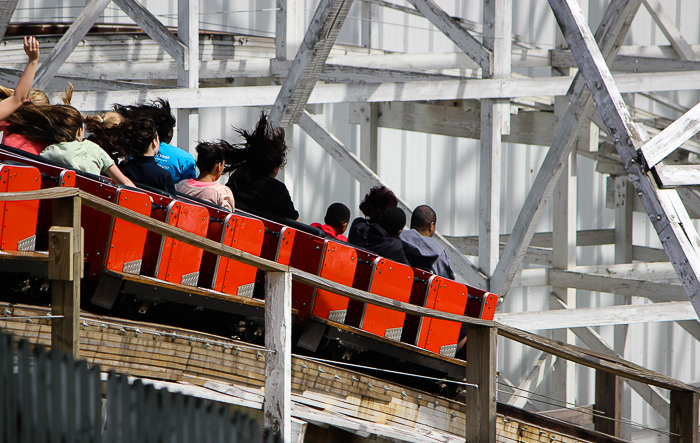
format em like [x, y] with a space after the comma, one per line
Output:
[576, 354]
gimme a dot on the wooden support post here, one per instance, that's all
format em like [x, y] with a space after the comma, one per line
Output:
[684, 417]
[65, 271]
[290, 28]
[369, 131]
[495, 121]
[481, 370]
[608, 394]
[188, 75]
[278, 362]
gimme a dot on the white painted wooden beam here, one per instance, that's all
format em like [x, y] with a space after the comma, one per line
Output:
[611, 33]
[80, 27]
[289, 31]
[666, 211]
[368, 178]
[309, 61]
[673, 176]
[455, 32]
[156, 30]
[7, 9]
[680, 45]
[278, 359]
[264, 96]
[188, 72]
[656, 292]
[671, 138]
[606, 316]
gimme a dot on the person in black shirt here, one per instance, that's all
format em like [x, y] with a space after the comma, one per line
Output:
[383, 237]
[255, 164]
[376, 201]
[142, 136]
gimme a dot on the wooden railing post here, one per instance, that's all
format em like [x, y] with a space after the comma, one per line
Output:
[65, 272]
[278, 362]
[608, 400]
[481, 370]
[684, 417]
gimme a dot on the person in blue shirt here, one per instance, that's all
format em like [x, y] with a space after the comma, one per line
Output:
[179, 163]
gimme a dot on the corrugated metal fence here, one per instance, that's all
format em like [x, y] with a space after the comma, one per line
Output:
[48, 397]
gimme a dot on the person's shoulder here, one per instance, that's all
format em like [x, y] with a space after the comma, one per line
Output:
[174, 151]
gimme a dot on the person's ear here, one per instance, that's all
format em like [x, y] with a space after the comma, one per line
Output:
[80, 134]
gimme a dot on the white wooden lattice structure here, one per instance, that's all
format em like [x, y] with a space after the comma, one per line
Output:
[475, 94]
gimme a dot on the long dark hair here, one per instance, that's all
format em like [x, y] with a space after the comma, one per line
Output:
[47, 123]
[263, 151]
[157, 110]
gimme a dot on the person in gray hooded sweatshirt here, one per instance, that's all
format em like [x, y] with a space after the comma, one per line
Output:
[426, 248]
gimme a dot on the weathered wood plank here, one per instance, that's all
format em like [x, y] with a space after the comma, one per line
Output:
[7, 9]
[155, 29]
[683, 423]
[481, 370]
[669, 29]
[608, 395]
[455, 32]
[82, 24]
[608, 316]
[308, 62]
[594, 360]
[671, 138]
[278, 362]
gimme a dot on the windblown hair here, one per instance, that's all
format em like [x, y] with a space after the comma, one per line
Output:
[376, 201]
[157, 110]
[110, 138]
[210, 154]
[35, 96]
[47, 123]
[137, 135]
[263, 151]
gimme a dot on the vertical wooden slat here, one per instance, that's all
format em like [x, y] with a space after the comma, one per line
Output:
[175, 419]
[83, 397]
[71, 397]
[24, 389]
[57, 387]
[608, 395]
[41, 374]
[95, 404]
[12, 409]
[126, 424]
[5, 385]
[112, 407]
[684, 417]
[481, 370]
[278, 363]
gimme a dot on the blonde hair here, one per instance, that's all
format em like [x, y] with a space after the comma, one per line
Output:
[112, 119]
[35, 96]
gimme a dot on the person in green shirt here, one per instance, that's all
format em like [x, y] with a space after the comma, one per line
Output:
[62, 125]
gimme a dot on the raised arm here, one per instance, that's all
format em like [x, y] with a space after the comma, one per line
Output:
[10, 105]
